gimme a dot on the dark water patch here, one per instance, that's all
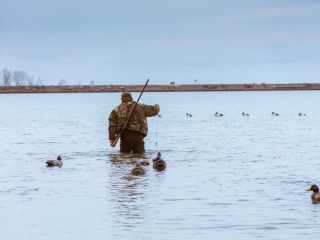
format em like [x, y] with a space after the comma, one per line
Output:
[244, 200]
[268, 228]
[220, 204]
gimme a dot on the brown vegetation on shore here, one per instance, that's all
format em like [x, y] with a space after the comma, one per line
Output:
[158, 88]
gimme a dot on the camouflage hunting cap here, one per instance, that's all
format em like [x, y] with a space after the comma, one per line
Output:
[126, 97]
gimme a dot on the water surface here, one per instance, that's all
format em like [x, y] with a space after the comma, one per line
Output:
[230, 177]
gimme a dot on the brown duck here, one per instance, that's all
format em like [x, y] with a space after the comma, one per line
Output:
[138, 170]
[315, 196]
[158, 163]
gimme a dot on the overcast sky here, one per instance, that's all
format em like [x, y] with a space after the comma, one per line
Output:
[129, 41]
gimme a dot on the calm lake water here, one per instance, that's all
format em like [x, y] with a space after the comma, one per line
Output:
[229, 177]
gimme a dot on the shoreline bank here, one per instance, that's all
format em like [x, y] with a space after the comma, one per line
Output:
[158, 88]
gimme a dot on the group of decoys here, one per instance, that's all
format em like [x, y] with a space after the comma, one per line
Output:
[277, 114]
[158, 164]
[217, 114]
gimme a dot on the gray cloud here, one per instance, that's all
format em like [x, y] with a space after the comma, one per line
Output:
[127, 41]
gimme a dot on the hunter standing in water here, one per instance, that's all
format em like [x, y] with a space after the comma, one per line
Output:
[131, 138]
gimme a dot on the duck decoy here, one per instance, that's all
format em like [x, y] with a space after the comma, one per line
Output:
[138, 170]
[158, 163]
[274, 114]
[218, 114]
[55, 163]
[143, 162]
[245, 114]
[188, 115]
[315, 196]
[302, 114]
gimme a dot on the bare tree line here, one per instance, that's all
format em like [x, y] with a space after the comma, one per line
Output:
[22, 78]
[19, 78]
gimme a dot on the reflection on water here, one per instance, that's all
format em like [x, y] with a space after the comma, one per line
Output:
[127, 191]
[231, 177]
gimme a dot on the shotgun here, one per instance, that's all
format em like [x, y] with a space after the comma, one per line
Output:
[129, 116]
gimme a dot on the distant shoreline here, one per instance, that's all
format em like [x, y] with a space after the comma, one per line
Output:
[158, 88]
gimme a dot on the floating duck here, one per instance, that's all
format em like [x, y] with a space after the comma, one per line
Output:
[315, 197]
[218, 114]
[245, 114]
[143, 162]
[158, 163]
[274, 114]
[55, 163]
[188, 115]
[302, 114]
[138, 170]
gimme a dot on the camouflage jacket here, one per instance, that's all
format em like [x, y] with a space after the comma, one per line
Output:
[138, 121]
